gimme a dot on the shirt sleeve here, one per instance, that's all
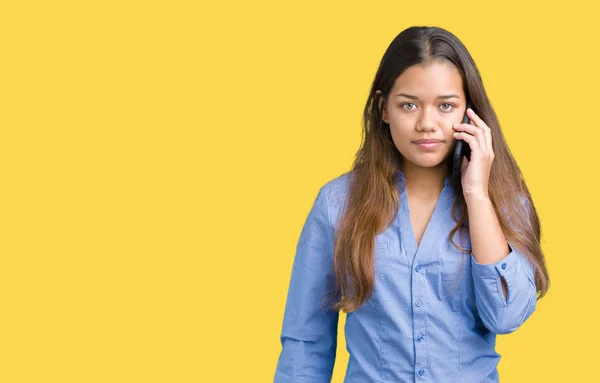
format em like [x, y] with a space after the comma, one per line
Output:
[499, 314]
[309, 332]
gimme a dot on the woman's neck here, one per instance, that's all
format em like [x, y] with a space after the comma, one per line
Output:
[424, 183]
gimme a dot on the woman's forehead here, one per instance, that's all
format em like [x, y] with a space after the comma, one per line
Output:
[429, 81]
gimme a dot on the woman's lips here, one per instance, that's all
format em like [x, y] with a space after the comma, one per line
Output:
[428, 145]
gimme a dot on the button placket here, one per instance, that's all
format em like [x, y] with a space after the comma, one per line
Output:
[419, 318]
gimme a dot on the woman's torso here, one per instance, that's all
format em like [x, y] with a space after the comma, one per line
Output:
[421, 324]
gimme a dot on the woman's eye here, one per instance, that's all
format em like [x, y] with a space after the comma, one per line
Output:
[408, 103]
[449, 106]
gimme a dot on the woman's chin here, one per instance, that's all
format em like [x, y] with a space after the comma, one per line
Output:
[428, 161]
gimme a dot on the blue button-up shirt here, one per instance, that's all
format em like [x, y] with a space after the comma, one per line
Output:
[434, 313]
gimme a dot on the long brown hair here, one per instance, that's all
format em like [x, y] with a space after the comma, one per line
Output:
[373, 199]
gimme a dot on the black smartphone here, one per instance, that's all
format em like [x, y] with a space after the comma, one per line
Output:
[462, 149]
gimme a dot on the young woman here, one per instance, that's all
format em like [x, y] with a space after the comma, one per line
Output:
[427, 270]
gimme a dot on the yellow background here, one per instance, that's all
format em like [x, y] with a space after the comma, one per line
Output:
[158, 160]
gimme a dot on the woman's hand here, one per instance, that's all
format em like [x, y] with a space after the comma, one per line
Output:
[475, 174]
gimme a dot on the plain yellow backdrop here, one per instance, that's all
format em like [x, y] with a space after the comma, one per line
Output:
[158, 160]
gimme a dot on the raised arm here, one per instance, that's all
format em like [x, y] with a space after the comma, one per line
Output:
[503, 276]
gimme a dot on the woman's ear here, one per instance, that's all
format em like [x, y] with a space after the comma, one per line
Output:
[381, 105]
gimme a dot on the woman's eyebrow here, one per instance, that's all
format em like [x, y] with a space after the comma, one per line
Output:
[444, 96]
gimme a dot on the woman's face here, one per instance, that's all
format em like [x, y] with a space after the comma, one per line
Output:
[424, 104]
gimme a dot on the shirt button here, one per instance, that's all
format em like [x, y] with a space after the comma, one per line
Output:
[421, 372]
[504, 266]
[418, 268]
[420, 338]
[418, 303]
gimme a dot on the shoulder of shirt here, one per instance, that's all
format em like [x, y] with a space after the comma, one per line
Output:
[337, 188]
